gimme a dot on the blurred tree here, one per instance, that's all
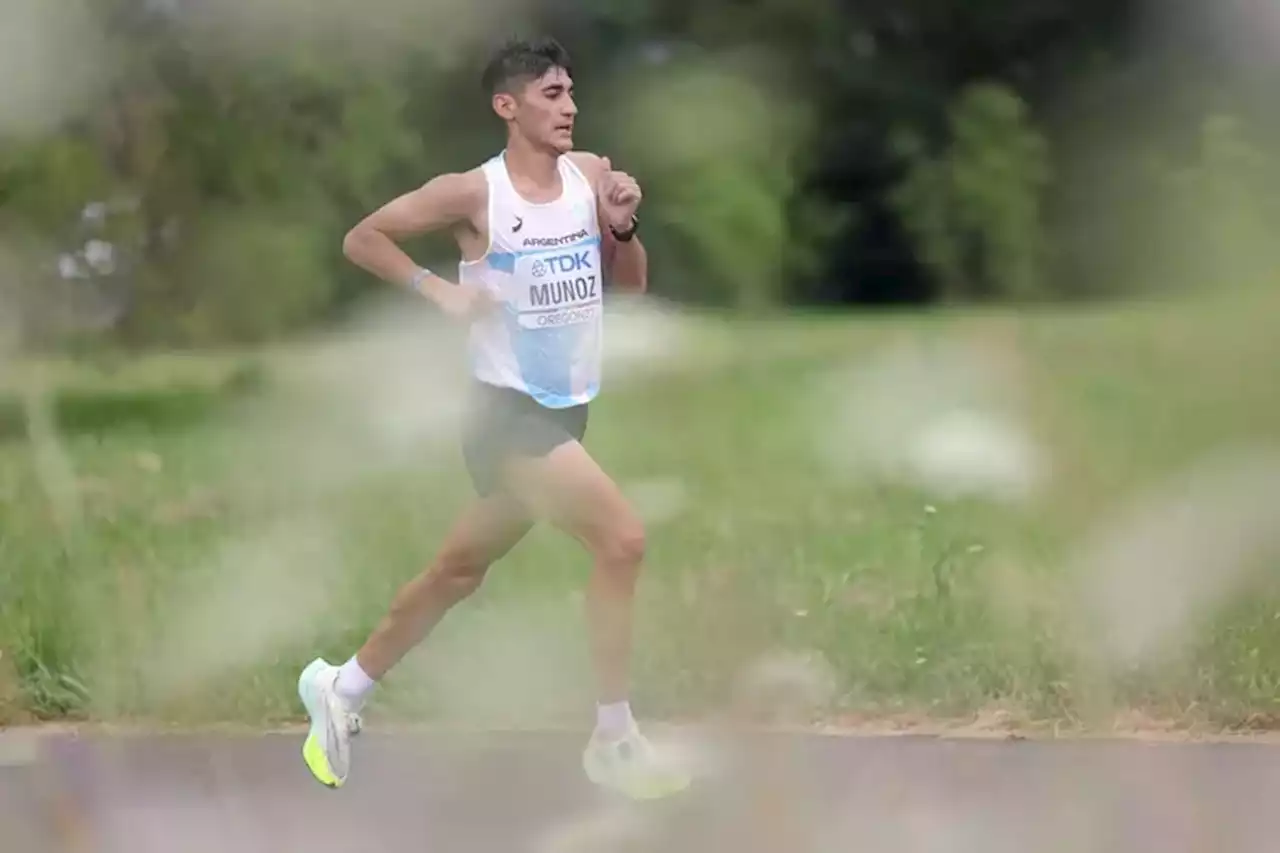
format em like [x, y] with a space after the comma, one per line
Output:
[974, 209]
[1217, 209]
[766, 132]
[715, 145]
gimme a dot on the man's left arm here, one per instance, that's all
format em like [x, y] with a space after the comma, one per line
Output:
[625, 261]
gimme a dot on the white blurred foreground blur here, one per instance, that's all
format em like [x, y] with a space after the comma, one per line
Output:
[255, 597]
[938, 420]
[53, 61]
[1169, 559]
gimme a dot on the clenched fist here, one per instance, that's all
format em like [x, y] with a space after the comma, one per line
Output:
[619, 196]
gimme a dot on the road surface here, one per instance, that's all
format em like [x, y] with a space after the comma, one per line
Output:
[768, 794]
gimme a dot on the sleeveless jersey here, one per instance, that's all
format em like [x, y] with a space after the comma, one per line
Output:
[543, 264]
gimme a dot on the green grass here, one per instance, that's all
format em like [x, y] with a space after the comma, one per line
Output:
[93, 397]
[201, 561]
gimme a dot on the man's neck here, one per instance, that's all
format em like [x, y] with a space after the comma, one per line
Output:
[539, 168]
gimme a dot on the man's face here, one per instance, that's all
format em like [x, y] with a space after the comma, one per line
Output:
[543, 111]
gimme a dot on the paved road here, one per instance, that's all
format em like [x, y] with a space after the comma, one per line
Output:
[789, 794]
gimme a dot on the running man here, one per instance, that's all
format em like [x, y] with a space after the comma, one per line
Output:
[534, 226]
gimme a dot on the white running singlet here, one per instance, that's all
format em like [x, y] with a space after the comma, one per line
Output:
[543, 264]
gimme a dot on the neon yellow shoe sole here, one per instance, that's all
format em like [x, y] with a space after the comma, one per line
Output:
[654, 785]
[313, 755]
[656, 789]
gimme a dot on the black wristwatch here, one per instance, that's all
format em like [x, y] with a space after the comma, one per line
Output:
[625, 236]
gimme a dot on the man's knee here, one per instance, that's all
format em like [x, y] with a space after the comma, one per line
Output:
[623, 545]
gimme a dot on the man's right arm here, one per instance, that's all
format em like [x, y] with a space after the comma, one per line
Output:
[440, 203]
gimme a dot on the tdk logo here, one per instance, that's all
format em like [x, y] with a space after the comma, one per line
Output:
[571, 263]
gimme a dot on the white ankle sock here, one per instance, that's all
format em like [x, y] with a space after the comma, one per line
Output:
[353, 682]
[614, 719]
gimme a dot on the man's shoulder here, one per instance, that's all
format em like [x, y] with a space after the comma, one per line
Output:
[463, 192]
[590, 163]
[471, 182]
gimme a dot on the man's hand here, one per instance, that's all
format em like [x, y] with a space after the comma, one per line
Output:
[619, 196]
[462, 302]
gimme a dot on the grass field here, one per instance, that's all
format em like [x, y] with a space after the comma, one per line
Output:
[183, 568]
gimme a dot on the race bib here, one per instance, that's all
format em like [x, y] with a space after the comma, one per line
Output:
[559, 287]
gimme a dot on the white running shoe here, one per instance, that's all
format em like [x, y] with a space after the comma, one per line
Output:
[631, 766]
[327, 749]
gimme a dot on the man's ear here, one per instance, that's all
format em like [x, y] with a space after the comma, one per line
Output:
[504, 104]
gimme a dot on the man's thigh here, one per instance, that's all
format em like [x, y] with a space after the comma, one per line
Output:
[567, 488]
[486, 530]
[505, 424]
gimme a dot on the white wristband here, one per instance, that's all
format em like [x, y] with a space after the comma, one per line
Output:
[415, 283]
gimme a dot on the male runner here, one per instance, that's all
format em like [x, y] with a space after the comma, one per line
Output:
[533, 225]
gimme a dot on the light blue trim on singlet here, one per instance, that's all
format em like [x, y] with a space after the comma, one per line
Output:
[503, 262]
[506, 261]
[545, 360]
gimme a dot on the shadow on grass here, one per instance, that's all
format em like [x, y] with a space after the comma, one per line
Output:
[81, 410]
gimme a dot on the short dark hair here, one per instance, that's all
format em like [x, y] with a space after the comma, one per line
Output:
[520, 60]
